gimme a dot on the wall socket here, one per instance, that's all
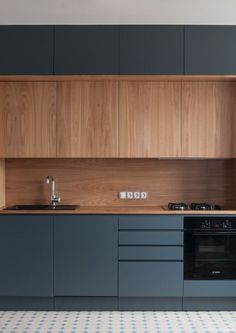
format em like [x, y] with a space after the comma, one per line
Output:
[133, 195]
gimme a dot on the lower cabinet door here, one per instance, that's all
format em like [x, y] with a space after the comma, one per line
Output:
[26, 255]
[164, 279]
[85, 255]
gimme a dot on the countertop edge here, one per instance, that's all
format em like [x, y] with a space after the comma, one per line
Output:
[118, 210]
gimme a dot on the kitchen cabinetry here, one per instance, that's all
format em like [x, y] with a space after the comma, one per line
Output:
[208, 119]
[26, 50]
[85, 255]
[148, 264]
[151, 49]
[150, 119]
[86, 50]
[210, 50]
[28, 119]
[26, 255]
[87, 119]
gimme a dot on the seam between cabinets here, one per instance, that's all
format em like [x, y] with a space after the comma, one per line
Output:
[53, 262]
[118, 291]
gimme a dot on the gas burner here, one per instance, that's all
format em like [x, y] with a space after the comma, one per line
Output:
[177, 206]
[192, 206]
[204, 206]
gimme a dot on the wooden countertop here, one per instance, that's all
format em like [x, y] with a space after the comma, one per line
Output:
[120, 210]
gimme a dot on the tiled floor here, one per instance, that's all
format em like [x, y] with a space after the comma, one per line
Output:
[120, 322]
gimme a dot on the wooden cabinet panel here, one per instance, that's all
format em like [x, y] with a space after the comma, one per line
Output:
[208, 119]
[28, 113]
[150, 119]
[87, 119]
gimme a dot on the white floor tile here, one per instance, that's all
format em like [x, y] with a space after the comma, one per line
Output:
[120, 322]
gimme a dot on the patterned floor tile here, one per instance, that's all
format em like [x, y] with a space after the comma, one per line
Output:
[117, 322]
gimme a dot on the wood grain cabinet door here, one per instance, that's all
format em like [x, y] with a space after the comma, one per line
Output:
[209, 119]
[87, 123]
[28, 114]
[150, 119]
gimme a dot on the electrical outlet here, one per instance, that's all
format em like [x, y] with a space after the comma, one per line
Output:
[144, 195]
[130, 195]
[133, 195]
[137, 195]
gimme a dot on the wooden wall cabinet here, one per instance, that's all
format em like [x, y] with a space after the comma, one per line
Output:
[150, 119]
[209, 119]
[28, 119]
[87, 120]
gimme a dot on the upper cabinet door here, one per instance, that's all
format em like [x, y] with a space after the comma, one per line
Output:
[209, 119]
[26, 50]
[28, 114]
[87, 50]
[151, 49]
[210, 50]
[87, 123]
[150, 119]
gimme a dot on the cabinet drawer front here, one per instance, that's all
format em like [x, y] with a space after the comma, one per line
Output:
[151, 237]
[151, 279]
[151, 222]
[203, 288]
[151, 253]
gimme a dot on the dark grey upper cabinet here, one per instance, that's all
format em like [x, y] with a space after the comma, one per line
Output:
[86, 50]
[26, 255]
[26, 50]
[85, 255]
[210, 50]
[151, 49]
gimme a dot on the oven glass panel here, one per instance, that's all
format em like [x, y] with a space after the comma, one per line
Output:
[210, 255]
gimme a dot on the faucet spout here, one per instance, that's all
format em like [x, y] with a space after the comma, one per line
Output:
[54, 195]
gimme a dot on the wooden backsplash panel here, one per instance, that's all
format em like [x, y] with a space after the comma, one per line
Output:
[97, 181]
[2, 182]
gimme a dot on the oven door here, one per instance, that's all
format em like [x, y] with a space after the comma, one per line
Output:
[209, 255]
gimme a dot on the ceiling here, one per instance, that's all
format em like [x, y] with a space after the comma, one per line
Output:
[118, 12]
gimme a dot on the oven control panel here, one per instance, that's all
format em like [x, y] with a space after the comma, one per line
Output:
[215, 223]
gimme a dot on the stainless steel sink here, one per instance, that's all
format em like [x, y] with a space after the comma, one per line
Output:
[42, 207]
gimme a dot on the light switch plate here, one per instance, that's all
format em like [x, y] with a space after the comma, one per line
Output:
[122, 195]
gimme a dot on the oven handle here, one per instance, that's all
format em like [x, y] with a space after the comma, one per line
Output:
[214, 233]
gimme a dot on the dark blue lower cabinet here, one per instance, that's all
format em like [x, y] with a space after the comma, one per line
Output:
[210, 288]
[150, 279]
[26, 256]
[85, 255]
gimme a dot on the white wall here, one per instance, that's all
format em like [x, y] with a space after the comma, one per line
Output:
[118, 12]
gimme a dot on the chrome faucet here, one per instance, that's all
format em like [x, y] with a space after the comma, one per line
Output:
[54, 195]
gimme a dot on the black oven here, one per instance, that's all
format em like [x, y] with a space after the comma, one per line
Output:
[210, 248]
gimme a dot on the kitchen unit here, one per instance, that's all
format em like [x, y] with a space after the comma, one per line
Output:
[137, 117]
